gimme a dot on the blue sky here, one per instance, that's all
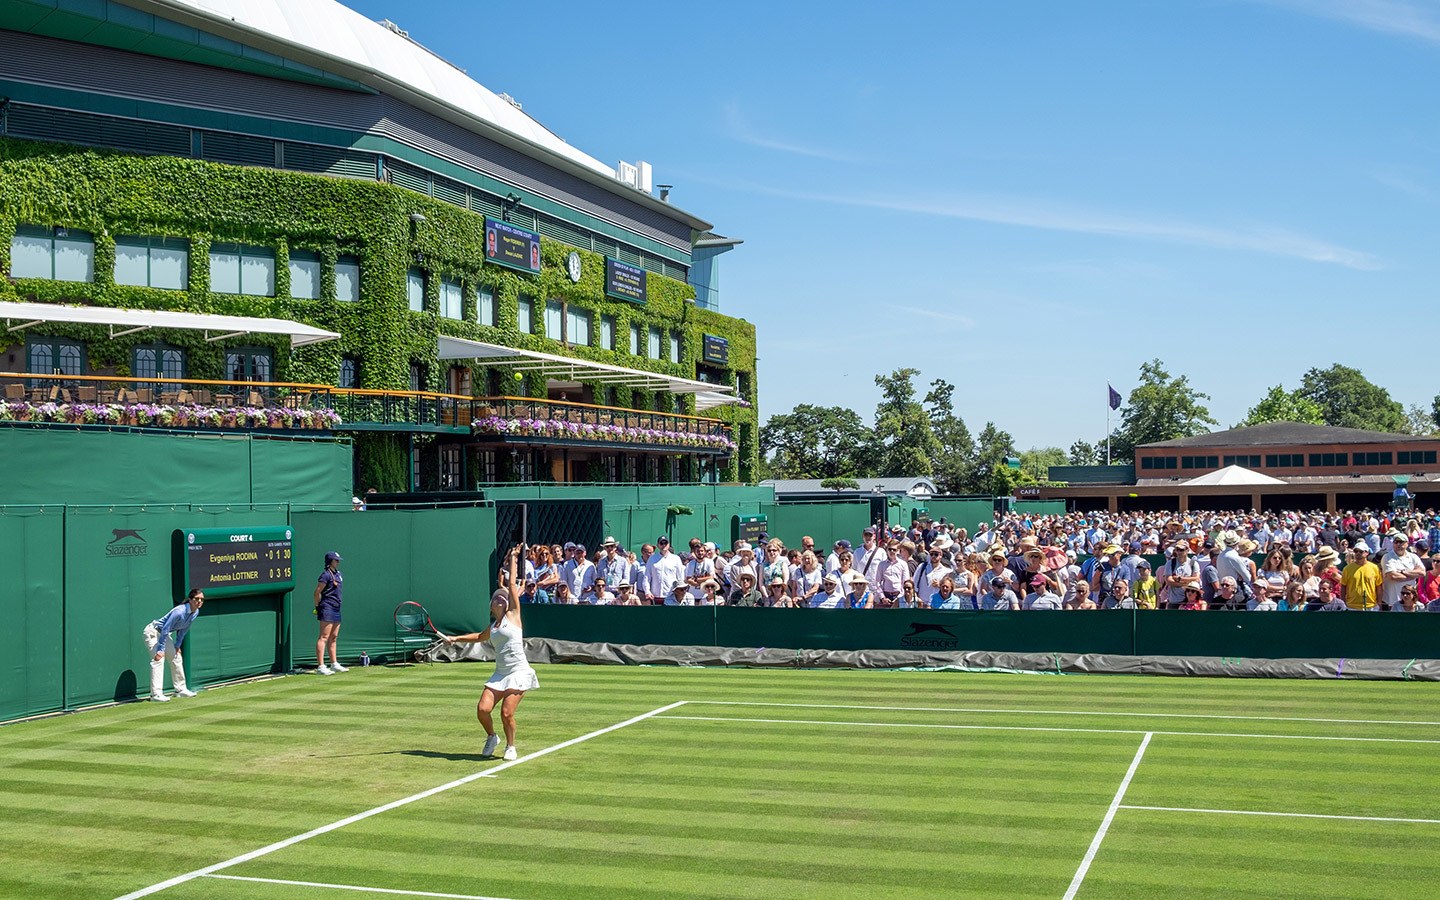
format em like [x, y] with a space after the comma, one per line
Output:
[1027, 199]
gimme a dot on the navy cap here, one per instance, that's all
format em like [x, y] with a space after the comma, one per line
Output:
[333, 555]
[842, 544]
[579, 548]
[662, 539]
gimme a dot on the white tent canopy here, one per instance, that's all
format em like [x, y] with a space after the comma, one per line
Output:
[19, 316]
[1234, 475]
[566, 368]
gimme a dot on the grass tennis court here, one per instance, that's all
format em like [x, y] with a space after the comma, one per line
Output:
[758, 784]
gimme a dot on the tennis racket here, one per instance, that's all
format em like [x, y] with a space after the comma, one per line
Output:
[411, 616]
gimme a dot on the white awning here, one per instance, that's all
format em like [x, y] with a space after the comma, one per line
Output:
[19, 316]
[710, 399]
[551, 365]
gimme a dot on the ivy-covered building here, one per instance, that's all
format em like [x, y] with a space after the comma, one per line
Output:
[476, 300]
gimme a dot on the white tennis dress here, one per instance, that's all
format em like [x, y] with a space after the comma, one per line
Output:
[512, 669]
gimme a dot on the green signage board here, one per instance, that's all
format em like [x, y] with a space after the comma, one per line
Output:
[749, 528]
[234, 562]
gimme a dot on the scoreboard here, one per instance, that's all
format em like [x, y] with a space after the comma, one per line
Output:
[233, 562]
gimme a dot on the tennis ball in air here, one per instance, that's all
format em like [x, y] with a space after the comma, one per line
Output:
[519, 376]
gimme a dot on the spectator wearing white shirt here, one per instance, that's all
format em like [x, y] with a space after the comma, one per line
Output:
[807, 579]
[663, 570]
[892, 573]
[832, 562]
[869, 556]
[699, 570]
[578, 572]
[1399, 569]
[831, 596]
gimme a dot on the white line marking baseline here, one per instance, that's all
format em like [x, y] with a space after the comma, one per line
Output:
[354, 887]
[1288, 815]
[350, 820]
[1060, 712]
[1105, 823]
[1220, 734]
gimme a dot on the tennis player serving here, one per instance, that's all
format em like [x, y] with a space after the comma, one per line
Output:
[513, 674]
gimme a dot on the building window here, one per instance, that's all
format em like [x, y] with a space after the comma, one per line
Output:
[449, 468]
[152, 262]
[347, 279]
[415, 289]
[458, 381]
[1373, 459]
[485, 307]
[1415, 457]
[554, 320]
[1326, 460]
[612, 396]
[1250, 462]
[612, 467]
[419, 376]
[634, 340]
[674, 346]
[60, 254]
[577, 326]
[1157, 462]
[159, 361]
[242, 269]
[486, 461]
[304, 275]
[54, 356]
[452, 299]
[248, 364]
[525, 315]
[607, 332]
[675, 406]
[349, 373]
[652, 348]
[1284, 461]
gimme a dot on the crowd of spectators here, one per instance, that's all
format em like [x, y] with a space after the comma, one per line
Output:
[1289, 561]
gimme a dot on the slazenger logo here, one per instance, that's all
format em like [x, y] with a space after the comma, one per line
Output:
[944, 639]
[124, 543]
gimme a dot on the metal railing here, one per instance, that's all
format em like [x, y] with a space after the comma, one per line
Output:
[111, 399]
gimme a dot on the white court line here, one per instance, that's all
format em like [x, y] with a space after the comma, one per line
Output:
[1060, 712]
[350, 820]
[354, 887]
[1288, 815]
[1105, 823]
[1056, 728]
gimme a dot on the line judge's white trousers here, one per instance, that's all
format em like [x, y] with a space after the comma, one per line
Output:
[157, 672]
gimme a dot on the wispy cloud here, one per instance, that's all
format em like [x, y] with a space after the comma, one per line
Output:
[1419, 20]
[738, 127]
[1030, 214]
[938, 314]
[1404, 182]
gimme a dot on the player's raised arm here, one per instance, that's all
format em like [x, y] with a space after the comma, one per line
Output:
[512, 610]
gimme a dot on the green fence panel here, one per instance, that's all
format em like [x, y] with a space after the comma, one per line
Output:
[965, 514]
[918, 629]
[31, 644]
[55, 467]
[442, 558]
[825, 522]
[647, 523]
[118, 578]
[676, 625]
[293, 471]
[1288, 635]
[1037, 508]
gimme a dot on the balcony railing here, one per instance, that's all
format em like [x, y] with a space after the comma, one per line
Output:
[250, 405]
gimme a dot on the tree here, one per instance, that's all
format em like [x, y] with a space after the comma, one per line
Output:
[1083, 453]
[905, 442]
[992, 475]
[1418, 421]
[1280, 405]
[840, 484]
[954, 469]
[1035, 464]
[1162, 407]
[816, 442]
[1348, 399]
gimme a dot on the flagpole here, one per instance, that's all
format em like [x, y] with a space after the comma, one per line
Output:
[1107, 430]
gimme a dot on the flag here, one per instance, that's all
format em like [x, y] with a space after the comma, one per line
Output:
[1114, 398]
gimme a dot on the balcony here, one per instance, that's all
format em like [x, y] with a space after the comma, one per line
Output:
[162, 402]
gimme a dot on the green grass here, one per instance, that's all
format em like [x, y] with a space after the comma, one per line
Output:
[109, 801]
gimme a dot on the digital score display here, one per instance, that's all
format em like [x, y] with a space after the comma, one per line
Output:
[624, 281]
[233, 562]
[512, 247]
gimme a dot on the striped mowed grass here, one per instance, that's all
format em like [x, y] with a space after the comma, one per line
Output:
[735, 783]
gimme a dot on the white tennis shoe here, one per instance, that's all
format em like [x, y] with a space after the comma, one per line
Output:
[491, 743]
[159, 698]
[324, 670]
[184, 692]
[338, 668]
[510, 752]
